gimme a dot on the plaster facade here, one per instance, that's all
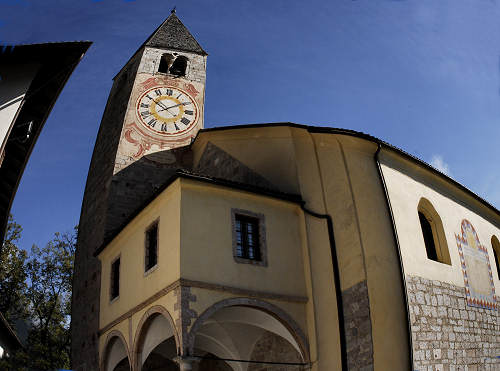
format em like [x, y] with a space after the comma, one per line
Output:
[299, 257]
[449, 331]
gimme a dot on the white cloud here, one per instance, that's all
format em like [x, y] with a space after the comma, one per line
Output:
[438, 163]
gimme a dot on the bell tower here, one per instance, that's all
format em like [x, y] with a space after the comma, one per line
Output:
[154, 110]
[165, 108]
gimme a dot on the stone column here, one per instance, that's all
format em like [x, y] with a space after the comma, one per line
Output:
[185, 363]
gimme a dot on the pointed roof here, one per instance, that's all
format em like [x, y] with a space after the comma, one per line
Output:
[173, 34]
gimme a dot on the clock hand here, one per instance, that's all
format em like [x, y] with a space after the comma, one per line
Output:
[164, 108]
[175, 105]
[160, 104]
[171, 114]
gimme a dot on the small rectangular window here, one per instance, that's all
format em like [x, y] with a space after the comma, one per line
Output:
[115, 279]
[151, 248]
[247, 237]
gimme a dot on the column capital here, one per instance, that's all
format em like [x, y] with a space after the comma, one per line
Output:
[185, 362]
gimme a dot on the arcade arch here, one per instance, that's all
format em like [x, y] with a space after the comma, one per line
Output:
[156, 342]
[248, 330]
[116, 355]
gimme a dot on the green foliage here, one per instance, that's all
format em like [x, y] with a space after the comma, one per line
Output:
[12, 275]
[47, 297]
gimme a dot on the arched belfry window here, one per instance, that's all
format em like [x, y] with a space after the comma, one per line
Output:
[166, 62]
[433, 233]
[173, 64]
[179, 66]
[496, 253]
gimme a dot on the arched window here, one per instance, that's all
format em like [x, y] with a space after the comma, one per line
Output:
[165, 62]
[496, 253]
[433, 233]
[179, 66]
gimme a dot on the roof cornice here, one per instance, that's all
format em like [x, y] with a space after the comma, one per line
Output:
[359, 134]
[184, 174]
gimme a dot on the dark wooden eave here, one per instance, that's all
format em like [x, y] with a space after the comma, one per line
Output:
[8, 336]
[57, 62]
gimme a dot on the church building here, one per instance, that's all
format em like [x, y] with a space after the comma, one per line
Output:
[270, 247]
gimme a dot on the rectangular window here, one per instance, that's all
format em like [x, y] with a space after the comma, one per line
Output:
[151, 252]
[115, 279]
[247, 237]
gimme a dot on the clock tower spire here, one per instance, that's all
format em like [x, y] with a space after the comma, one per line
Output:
[165, 108]
[155, 105]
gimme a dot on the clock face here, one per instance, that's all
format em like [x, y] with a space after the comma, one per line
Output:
[167, 110]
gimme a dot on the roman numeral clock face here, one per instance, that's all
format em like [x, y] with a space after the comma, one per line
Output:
[167, 111]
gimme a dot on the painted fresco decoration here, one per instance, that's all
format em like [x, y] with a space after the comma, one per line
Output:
[476, 269]
[163, 113]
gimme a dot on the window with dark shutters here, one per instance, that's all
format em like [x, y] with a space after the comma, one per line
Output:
[151, 248]
[247, 237]
[115, 279]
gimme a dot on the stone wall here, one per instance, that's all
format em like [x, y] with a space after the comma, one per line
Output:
[195, 69]
[358, 327]
[136, 184]
[87, 274]
[273, 348]
[447, 333]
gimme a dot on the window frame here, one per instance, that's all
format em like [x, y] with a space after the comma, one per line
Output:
[156, 224]
[495, 246]
[261, 240]
[112, 279]
[438, 235]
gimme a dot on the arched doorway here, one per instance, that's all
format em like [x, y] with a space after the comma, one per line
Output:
[156, 344]
[246, 335]
[116, 357]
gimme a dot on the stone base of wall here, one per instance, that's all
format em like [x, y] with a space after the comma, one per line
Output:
[358, 327]
[448, 334]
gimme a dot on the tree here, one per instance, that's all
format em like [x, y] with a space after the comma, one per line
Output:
[12, 275]
[47, 294]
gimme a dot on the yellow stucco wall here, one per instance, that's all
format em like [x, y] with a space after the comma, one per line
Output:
[270, 152]
[407, 183]
[207, 253]
[130, 327]
[135, 286]
[202, 254]
[378, 253]
[336, 175]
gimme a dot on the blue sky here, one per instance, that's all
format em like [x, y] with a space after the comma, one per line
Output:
[423, 75]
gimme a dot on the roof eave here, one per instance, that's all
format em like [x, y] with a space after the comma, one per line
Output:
[358, 134]
[79, 48]
[294, 198]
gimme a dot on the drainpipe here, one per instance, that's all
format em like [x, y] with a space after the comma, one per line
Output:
[336, 279]
[396, 239]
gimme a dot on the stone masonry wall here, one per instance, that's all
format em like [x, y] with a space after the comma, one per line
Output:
[195, 69]
[138, 182]
[448, 334]
[358, 327]
[87, 273]
[273, 348]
